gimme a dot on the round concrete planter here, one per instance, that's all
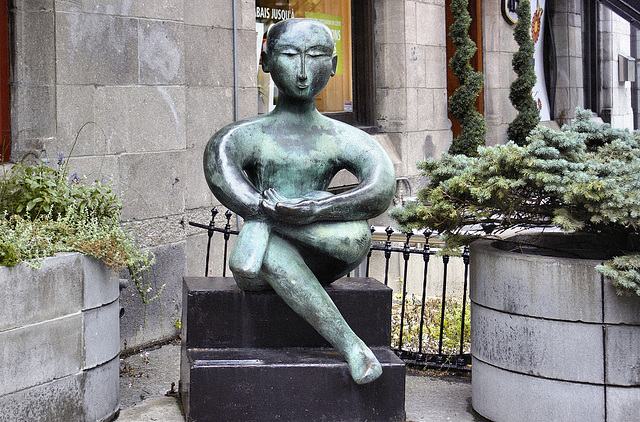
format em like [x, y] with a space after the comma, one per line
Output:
[60, 342]
[551, 340]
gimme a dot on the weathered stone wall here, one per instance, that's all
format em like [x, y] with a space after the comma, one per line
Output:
[59, 341]
[411, 87]
[154, 80]
[498, 48]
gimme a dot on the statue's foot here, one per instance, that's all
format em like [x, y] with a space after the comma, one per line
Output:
[363, 365]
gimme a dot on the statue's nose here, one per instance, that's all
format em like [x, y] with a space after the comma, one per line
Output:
[302, 72]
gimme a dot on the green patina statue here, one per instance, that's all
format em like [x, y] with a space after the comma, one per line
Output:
[274, 171]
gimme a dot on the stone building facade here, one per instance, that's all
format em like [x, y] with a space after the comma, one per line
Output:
[136, 88]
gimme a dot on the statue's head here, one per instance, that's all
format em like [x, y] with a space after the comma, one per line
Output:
[299, 56]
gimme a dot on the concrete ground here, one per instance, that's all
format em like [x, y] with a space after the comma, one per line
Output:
[146, 377]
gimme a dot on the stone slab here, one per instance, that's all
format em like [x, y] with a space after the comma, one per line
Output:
[53, 401]
[40, 353]
[294, 384]
[31, 295]
[143, 324]
[549, 287]
[622, 343]
[101, 398]
[554, 349]
[101, 334]
[622, 403]
[101, 286]
[504, 396]
[217, 314]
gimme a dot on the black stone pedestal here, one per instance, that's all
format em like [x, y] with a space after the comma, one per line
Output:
[246, 356]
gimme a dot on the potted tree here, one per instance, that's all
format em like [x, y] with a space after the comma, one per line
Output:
[555, 308]
[61, 247]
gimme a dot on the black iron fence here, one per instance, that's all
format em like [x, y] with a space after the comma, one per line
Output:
[428, 330]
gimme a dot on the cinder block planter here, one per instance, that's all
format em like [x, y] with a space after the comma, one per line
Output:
[551, 340]
[59, 341]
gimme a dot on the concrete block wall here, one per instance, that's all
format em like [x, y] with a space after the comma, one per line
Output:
[148, 83]
[59, 338]
[411, 96]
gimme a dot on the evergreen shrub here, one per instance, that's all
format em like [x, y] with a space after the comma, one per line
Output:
[521, 89]
[461, 103]
[582, 178]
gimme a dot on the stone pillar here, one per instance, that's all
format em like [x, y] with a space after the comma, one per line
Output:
[566, 25]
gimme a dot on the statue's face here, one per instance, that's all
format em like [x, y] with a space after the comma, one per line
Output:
[300, 58]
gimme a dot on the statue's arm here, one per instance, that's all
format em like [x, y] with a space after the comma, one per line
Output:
[368, 161]
[223, 162]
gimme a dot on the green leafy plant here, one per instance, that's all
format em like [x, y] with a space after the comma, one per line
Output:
[431, 325]
[44, 211]
[583, 178]
[521, 89]
[461, 103]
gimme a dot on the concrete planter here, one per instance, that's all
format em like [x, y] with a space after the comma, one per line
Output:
[551, 341]
[59, 341]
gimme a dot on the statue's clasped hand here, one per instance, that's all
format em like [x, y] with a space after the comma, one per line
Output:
[287, 210]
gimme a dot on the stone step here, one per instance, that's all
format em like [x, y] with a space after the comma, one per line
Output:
[302, 384]
[217, 314]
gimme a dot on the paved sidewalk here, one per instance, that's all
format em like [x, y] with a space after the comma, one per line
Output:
[147, 377]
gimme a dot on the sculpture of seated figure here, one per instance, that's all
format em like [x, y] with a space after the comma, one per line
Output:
[274, 171]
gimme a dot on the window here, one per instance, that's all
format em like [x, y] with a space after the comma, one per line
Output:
[349, 95]
[5, 113]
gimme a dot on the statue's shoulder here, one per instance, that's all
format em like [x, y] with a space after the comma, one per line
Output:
[352, 134]
[240, 130]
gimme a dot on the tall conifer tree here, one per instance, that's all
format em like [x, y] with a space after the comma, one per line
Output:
[520, 93]
[461, 103]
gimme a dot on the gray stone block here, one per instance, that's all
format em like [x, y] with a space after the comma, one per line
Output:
[620, 309]
[101, 334]
[206, 13]
[102, 391]
[247, 58]
[76, 107]
[209, 59]
[197, 193]
[143, 118]
[167, 177]
[622, 344]
[40, 352]
[96, 49]
[33, 118]
[537, 346]
[431, 22]
[572, 291]
[504, 396]
[208, 111]
[155, 321]
[622, 403]
[31, 295]
[53, 401]
[161, 49]
[100, 283]
[36, 57]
